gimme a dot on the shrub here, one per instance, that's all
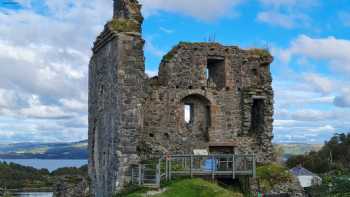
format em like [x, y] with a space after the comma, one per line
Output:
[272, 174]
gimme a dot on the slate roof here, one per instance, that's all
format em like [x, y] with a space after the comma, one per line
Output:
[300, 171]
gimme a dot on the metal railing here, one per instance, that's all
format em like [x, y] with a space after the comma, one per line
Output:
[152, 172]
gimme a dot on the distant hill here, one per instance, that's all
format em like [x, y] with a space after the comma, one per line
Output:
[298, 148]
[75, 150]
[78, 150]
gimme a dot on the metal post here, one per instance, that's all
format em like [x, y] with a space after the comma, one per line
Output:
[166, 170]
[212, 167]
[140, 174]
[158, 174]
[254, 166]
[170, 169]
[191, 166]
[233, 167]
[132, 176]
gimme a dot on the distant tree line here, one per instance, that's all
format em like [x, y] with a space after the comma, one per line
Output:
[334, 156]
[15, 176]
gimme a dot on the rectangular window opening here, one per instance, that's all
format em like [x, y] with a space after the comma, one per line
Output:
[257, 115]
[215, 72]
[188, 113]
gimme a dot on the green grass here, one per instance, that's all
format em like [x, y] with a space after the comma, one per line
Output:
[190, 188]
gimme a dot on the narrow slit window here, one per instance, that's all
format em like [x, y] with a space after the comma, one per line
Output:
[207, 73]
[188, 113]
[257, 115]
[208, 116]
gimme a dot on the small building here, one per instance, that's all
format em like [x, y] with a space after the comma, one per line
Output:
[305, 177]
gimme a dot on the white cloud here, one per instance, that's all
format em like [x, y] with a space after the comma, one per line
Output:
[331, 49]
[166, 30]
[153, 49]
[288, 3]
[343, 100]
[288, 21]
[37, 110]
[44, 66]
[207, 10]
[286, 13]
[326, 128]
[74, 105]
[151, 73]
[319, 83]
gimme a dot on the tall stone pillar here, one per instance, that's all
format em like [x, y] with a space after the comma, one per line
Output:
[116, 78]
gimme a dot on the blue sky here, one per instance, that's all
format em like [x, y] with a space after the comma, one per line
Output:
[45, 46]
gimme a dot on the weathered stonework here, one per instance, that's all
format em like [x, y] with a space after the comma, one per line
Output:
[131, 116]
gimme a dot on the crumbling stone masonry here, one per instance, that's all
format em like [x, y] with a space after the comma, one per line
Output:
[206, 96]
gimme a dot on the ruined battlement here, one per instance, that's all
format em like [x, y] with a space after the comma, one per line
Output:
[206, 96]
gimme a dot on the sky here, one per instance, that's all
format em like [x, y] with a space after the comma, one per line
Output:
[45, 47]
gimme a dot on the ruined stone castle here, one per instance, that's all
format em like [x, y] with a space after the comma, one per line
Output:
[206, 96]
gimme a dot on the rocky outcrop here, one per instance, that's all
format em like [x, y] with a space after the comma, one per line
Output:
[292, 188]
[69, 186]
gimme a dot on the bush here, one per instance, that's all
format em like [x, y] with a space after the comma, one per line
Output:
[272, 174]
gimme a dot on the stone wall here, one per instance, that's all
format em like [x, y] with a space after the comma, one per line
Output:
[240, 77]
[116, 80]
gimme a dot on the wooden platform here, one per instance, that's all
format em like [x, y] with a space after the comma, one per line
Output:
[151, 173]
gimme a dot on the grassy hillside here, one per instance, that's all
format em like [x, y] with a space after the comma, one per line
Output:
[188, 188]
[298, 149]
[76, 150]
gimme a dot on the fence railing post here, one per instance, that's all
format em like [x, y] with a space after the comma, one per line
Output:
[166, 170]
[254, 166]
[191, 166]
[213, 167]
[170, 169]
[132, 176]
[158, 174]
[140, 174]
[233, 167]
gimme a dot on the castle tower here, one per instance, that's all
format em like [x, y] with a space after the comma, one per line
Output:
[116, 78]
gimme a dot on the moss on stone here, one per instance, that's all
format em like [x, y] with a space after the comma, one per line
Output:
[123, 25]
[168, 57]
[260, 52]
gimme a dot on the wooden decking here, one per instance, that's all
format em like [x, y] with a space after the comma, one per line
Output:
[152, 173]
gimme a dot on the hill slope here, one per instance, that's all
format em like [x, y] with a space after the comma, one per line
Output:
[190, 188]
[75, 150]
[298, 149]
[78, 150]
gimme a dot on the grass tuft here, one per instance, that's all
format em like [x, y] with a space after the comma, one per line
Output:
[123, 25]
[260, 52]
